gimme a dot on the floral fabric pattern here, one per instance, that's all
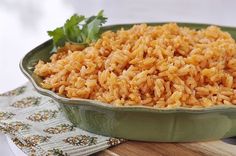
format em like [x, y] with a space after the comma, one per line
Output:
[56, 152]
[36, 139]
[15, 92]
[43, 115]
[6, 115]
[62, 128]
[114, 141]
[38, 127]
[26, 102]
[81, 140]
[14, 127]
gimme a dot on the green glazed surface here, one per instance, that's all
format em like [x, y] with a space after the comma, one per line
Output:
[138, 123]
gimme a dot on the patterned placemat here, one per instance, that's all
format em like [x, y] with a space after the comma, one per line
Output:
[37, 126]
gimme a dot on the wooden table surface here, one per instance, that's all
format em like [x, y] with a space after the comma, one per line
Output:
[135, 148]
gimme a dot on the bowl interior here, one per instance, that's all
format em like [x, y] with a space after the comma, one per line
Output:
[44, 51]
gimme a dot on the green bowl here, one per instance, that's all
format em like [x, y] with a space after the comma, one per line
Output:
[138, 123]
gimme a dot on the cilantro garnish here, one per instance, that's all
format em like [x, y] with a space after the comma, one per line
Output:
[78, 29]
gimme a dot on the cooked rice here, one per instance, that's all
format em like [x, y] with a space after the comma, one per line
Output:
[160, 66]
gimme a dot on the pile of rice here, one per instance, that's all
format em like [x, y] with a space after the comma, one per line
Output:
[159, 66]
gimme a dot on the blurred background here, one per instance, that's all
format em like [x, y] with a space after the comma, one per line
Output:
[24, 23]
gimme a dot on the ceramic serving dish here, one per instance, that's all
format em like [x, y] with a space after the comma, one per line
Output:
[138, 123]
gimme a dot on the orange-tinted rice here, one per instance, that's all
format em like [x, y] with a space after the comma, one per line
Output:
[160, 66]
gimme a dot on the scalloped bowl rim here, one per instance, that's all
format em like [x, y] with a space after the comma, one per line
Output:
[79, 101]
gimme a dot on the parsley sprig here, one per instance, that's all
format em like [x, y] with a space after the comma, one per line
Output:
[78, 29]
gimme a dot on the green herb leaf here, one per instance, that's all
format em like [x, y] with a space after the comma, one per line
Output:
[71, 27]
[58, 36]
[78, 29]
[93, 26]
